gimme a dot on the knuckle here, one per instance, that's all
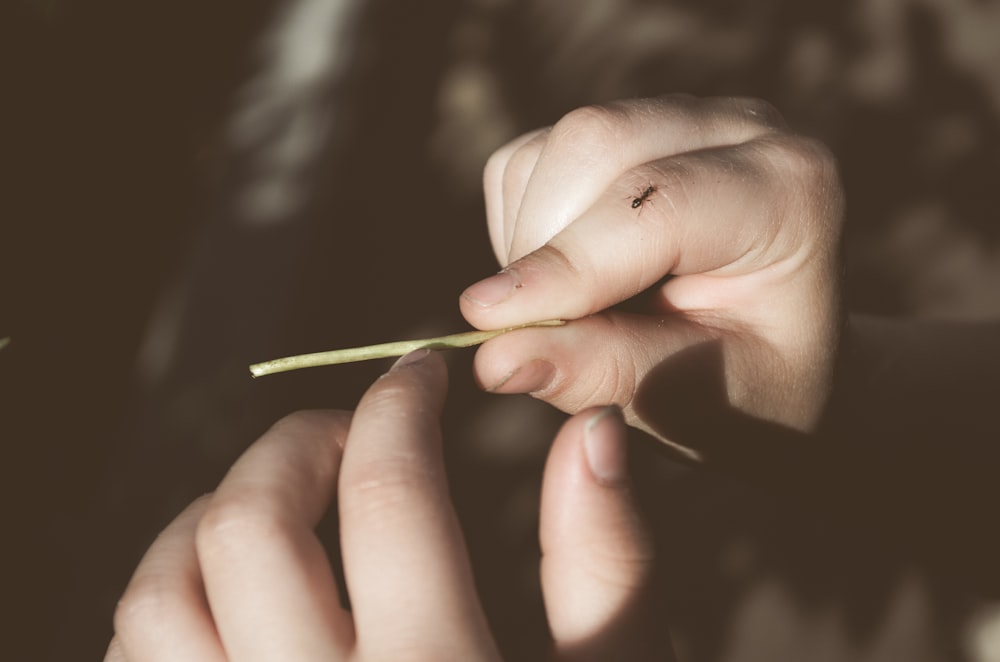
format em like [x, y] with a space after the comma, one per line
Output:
[590, 127]
[759, 111]
[812, 158]
[807, 164]
[377, 489]
[311, 422]
[603, 385]
[235, 522]
[554, 257]
[148, 603]
[808, 158]
[612, 380]
[617, 383]
[810, 174]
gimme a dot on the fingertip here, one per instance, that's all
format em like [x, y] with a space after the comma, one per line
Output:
[424, 362]
[604, 446]
[413, 357]
[493, 290]
[545, 284]
[597, 552]
[475, 306]
[417, 379]
[586, 485]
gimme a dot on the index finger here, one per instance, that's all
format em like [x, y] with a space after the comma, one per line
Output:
[267, 577]
[405, 564]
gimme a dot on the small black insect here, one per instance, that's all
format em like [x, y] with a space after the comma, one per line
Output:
[642, 197]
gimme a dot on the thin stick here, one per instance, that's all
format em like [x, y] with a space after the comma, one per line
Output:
[384, 350]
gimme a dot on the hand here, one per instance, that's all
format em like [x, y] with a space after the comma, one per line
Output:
[728, 222]
[240, 574]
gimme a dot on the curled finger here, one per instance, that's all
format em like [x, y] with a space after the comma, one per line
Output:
[709, 218]
[271, 589]
[505, 177]
[688, 383]
[591, 147]
[164, 614]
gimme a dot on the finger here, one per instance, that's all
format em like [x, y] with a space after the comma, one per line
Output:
[594, 361]
[675, 377]
[269, 583]
[405, 562]
[597, 551]
[711, 214]
[592, 147]
[504, 179]
[163, 614]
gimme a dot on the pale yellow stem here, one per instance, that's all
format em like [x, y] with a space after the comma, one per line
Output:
[384, 350]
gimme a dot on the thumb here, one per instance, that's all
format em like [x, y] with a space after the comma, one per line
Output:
[597, 551]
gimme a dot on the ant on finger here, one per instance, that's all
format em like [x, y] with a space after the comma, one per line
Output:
[640, 200]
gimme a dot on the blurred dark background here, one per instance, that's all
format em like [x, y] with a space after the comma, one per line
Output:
[191, 187]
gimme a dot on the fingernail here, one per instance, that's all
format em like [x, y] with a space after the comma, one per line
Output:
[604, 446]
[493, 290]
[531, 376]
[407, 359]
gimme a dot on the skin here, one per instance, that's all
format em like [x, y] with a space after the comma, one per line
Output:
[737, 352]
[240, 574]
[745, 217]
[735, 357]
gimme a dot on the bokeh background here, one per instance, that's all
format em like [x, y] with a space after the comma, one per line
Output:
[191, 187]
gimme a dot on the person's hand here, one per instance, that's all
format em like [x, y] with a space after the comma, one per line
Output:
[730, 225]
[240, 574]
